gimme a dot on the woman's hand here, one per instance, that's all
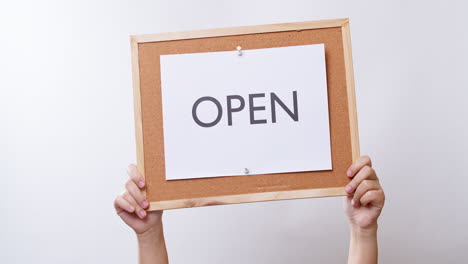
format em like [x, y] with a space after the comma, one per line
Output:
[131, 204]
[366, 197]
[363, 206]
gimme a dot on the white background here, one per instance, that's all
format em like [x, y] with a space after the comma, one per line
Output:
[193, 151]
[66, 134]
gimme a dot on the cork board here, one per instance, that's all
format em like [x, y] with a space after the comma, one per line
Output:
[163, 194]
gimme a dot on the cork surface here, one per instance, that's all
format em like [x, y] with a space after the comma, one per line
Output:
[158, 189]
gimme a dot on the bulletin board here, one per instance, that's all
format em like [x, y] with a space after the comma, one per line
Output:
[171, 194]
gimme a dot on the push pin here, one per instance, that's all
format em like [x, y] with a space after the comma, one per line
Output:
[246, 171]
[239, 50]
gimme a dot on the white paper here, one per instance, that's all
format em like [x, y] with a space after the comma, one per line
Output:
[192, 151]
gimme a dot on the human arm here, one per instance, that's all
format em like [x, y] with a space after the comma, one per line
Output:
[363, 206]
[130, 205]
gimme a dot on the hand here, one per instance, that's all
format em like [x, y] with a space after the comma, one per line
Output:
[131, 205]
[366, 197]
[363, 207]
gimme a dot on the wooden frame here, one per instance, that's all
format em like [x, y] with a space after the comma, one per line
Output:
[248, 197]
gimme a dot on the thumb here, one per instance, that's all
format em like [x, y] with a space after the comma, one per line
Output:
[128, 218]
[347, 206]
[347, 200]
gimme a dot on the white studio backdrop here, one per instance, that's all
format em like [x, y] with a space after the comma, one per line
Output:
[67, 134]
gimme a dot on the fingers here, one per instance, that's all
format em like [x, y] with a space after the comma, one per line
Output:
[136, 193]
[137, 178]
[121, 204]
[365, 183]
[374, 197]
[358, 165]
[365, 173]
[365, 187]
[130, 199]
[134, 186]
